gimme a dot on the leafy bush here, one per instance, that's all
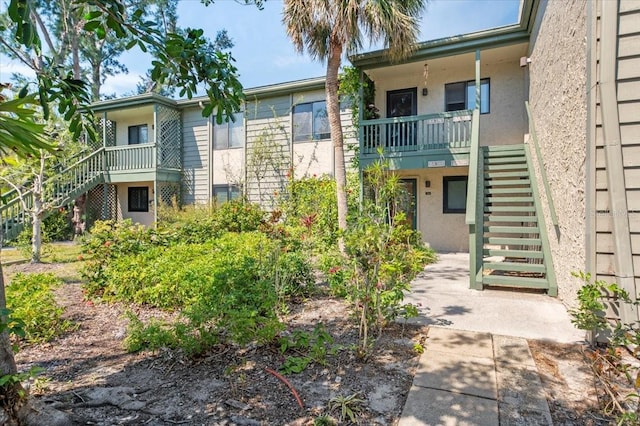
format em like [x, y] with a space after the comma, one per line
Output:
[23, 242]
[294, 275]
[336, 271]
[108, 241]
[58, 225]
[223, 288]
[30, 299]
[199, 224]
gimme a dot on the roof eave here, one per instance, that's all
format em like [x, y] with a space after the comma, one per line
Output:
[132, 101]
[448, 46]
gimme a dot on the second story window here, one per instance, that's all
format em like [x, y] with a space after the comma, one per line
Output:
[310, 121]
[231, 134]
[462, 95]
[138, 134]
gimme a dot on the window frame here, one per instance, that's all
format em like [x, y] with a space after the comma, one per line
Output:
[230, 191]
[144, 208]
[137, 128]
[314, 135]
[445, 194]
[466, 84]
[240, 118]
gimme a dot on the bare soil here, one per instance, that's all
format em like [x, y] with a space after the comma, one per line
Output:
[89, 375]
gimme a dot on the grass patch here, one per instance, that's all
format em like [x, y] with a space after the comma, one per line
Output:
[59, 252]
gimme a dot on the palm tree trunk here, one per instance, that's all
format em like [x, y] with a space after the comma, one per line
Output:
[333, 111]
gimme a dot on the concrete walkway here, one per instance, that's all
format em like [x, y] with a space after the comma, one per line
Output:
[477, 368]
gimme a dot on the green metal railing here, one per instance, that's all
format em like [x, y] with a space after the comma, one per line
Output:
[416, 133]
[475, 195]
[58, 190]
[543, 173]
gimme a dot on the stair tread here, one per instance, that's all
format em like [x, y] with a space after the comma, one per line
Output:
[512, 229]
[506, 166]
[505, 160]
[503, 182]
[497, 218]
[513, 241]
[507, 199]
[515, 267]
[492, 175]
[512, 209]
[515, 281]
[508, 191]
[518, 254]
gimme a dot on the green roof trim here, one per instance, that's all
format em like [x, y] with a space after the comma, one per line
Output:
[455, 45]
[132, 101]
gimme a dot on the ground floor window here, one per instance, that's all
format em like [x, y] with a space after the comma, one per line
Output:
[455, 194]
[224, 193]
[138, 199]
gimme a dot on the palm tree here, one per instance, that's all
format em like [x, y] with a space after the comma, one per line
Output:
[327, 29]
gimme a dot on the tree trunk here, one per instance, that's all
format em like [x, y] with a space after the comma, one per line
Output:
[37, 213]
[333, 111]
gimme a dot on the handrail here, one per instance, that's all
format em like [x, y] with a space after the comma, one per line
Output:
[412, 118]
[473, 216]
[543, 173]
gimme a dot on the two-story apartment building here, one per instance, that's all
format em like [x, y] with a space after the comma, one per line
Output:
[518, 144]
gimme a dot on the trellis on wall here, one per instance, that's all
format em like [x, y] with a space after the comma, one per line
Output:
[169, 193]
[169, 137]
[98, 209]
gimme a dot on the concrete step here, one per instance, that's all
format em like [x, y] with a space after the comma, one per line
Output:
[515, 281]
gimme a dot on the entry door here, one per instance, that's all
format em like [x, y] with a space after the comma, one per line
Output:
[401, 103]
[409, 205]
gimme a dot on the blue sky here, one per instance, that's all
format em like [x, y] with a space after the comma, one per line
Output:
[264, 55]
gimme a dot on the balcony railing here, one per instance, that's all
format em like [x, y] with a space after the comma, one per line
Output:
[130, 157]
[417, 133]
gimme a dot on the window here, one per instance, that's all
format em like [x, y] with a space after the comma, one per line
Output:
[310, 122]
[224, 193]
[231, 134]
[138, 199]
[462, 95]
[455, 194]
[138, 134]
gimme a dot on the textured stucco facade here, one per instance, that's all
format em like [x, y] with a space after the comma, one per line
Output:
[557, 94]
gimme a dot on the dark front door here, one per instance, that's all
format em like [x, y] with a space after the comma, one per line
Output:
[408, 203]
[401, 103]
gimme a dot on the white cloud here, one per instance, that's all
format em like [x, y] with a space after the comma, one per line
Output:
[9, 67]
[120, 84]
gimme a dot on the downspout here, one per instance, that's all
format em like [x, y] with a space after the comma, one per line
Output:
[361, 135]
[623, 257]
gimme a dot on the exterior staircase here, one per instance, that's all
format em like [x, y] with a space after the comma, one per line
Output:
[515, 249]
[59, 190]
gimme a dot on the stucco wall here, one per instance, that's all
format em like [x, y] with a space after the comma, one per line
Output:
[504, 124]
[557, 92]
[445, 232]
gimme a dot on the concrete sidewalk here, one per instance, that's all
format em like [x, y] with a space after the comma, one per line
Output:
[468, 378]
[444, 299]
[477, 368]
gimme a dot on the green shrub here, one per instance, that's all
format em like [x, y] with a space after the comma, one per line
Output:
[224, 290]
[23, 242]
[238, 216]
[108, 241]
[294, 275]
[58, 225]
[336, 271]
[30, 299]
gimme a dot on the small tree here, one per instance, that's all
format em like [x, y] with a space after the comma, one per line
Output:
[386, 253]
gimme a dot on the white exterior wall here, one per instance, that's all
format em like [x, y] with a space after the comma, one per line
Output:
[122, 194]
[133, 119]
